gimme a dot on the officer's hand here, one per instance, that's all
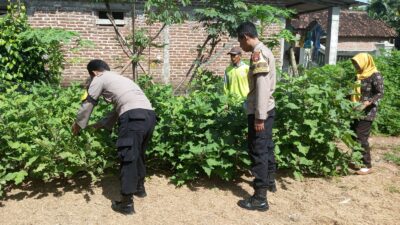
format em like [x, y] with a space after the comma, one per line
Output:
[75, 129]
[259, 125]
[97, 126]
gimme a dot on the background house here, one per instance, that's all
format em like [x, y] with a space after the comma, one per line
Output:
[357, 32]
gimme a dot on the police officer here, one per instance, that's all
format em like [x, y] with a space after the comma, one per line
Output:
[261, 113]
[136, 120]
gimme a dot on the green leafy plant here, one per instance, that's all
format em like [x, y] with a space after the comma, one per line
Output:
[386, 121]
[313, 114]
[28, 54]
[266, 16]
[36, 140]
[204, 132]
[199, 133]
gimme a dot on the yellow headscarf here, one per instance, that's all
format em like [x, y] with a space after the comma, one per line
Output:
[367, 65]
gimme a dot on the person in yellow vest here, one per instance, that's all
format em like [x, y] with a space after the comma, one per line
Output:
[235, 79]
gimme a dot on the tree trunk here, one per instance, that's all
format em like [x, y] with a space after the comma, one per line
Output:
[293, 62]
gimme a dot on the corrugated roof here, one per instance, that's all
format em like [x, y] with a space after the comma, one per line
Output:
[313, 5]
[351, 24]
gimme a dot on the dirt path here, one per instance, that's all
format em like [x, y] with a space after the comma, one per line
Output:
[371, 199]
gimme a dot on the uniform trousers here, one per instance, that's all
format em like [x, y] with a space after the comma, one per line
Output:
[261, 152]
[136, 127]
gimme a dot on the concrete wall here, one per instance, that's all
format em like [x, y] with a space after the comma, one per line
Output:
[359, 43]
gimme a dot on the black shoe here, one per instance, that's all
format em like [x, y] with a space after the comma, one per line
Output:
[272, 188]
[140, 190]
[140, 193]
[254, 203]
[271, 183]
[124, 208]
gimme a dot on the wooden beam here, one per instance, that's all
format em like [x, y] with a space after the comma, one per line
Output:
[294, 4]
[327, 2]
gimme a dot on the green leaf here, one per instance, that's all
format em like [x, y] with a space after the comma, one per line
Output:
[207, 170]
[20, 176]
[65, 155]
[230, 152]
[298, 176]
[40, 168]
[305, 162]
[303, 149]
[31, 160]
[212, 162]
[17, 177]
[14, 145]
[292, 106]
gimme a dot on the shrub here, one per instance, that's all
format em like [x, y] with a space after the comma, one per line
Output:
[36, 139]
[201, 133]
[387, 121]
[313, 113]
[205, 131]
[28, 54]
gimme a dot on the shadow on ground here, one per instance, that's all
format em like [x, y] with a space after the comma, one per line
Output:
[235, 186]
[83, 184]
[38, 189]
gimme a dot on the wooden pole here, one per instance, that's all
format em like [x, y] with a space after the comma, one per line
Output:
[134, 64]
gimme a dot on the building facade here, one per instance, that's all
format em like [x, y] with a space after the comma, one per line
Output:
[168, 64]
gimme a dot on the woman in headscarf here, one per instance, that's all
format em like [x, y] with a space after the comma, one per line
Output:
[368, 92]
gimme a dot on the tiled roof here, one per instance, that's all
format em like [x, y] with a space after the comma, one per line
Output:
[352, 24]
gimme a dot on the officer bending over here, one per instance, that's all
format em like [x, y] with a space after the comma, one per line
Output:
[136, 120]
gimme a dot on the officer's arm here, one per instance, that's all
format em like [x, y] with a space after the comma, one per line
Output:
[263, 94]
[94, 92]
[109, 121]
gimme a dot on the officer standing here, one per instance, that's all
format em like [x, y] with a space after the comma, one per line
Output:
[261, 113]
[136, 119]
[235, 78]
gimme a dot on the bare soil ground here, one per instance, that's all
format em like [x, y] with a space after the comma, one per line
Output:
[370, 199]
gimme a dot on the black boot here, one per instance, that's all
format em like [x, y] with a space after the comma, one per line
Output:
[256, 202]
[140, 190]
[125, 206]
[271, 183]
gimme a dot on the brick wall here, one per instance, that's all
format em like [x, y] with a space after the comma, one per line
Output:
[170, 64]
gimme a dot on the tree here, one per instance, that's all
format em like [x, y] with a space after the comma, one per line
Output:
[386, 10]
[220, 18]
[166, 12]
[31, 54]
